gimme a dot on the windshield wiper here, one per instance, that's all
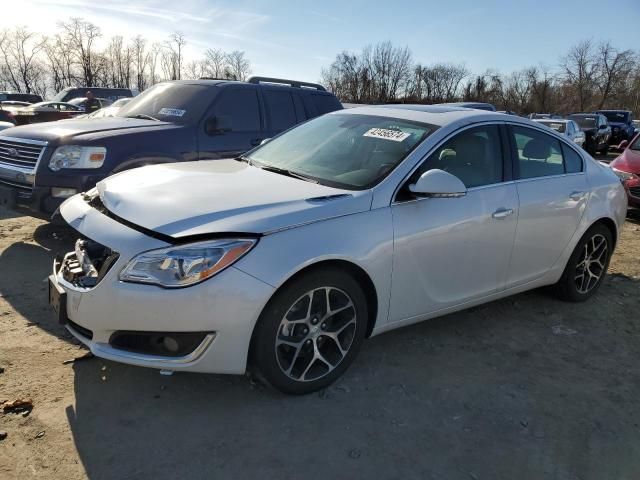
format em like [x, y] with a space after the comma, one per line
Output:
[288, 173]
[242, 158]
[143, 116]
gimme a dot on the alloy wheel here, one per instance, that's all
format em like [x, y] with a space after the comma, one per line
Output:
[315, 334]
[592, 263]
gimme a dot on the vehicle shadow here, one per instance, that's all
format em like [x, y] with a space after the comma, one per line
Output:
[25, 268]
[526, 387]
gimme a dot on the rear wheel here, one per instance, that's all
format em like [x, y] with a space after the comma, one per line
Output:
[587, 265]
[310, 332]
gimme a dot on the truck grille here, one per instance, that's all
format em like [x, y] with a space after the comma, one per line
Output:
[20, 154]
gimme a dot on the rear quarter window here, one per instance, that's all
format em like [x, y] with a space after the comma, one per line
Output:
[325, 103]
[280, 108]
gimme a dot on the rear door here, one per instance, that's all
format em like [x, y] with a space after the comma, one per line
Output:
[242, 107]
[553, 192]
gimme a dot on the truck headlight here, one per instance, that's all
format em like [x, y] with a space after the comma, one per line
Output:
[185, 265]
[76, 156]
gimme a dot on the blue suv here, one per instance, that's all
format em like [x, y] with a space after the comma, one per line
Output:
[41, 165]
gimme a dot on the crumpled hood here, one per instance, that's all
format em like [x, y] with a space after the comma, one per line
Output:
[84, 129]
[220, 196]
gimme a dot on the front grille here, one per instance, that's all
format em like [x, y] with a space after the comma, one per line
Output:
[23, 190]
[635, 191]
[20, 154]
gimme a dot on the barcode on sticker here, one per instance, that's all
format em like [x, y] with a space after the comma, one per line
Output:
[172, 112]
[393, 135]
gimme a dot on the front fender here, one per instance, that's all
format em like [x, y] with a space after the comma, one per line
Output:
[364, 239]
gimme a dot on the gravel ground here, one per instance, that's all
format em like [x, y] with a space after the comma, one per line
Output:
[527, 387]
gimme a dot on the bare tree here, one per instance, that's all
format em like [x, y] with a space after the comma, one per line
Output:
[215, 63]
[580, 70]
[141, 60]
[614, 67]
[21, 65]
[238, 67]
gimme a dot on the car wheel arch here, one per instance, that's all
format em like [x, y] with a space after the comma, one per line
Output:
[356, 271]
[610, 225]
[138, 162]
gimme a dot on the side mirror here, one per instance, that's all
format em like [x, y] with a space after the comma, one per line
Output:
[218, 125]
[438, 183]
[623, 144]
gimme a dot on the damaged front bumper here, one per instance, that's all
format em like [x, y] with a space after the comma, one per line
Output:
[205, 328]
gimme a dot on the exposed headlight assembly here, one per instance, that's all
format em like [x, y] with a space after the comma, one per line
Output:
[76, 156]
[185, 265]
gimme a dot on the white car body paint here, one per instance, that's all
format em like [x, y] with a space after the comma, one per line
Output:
[455, 254]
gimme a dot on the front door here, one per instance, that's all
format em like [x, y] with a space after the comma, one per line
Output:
[448, 251]
[241, 107]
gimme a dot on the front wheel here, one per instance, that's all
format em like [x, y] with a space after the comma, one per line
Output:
[310, 332]
[587, 265]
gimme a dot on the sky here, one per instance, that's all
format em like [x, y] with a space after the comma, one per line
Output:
[295, 39]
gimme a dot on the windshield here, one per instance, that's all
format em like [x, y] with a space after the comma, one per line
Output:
[171, 102]
[617, 117]
[584, 122]
[560, 127]
[341, 150]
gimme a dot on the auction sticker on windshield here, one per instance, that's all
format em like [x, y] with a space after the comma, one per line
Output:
[393, 135]
[172, 112]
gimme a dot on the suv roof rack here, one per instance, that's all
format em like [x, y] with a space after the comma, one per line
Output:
[282, 81]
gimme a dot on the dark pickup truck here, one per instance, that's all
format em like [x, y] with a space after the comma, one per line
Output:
[621, 122]
[42, 165]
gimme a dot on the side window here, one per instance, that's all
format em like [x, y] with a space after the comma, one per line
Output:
[474, 156]
[325, 103]
[572, 161]
[281, 109]
[539, 155]
[241, 106]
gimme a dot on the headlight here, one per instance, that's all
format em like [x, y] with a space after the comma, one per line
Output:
[75, 156]
[185, 265]
[623, 176]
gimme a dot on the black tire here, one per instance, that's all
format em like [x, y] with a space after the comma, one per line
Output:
[604, 150]
[568, 288]
[266, 358]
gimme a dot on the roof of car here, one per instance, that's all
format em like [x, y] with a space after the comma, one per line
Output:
[552, 120]
[613, 111]
[432, 114]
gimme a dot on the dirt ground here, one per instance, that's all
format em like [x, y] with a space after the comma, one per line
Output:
[523, 388]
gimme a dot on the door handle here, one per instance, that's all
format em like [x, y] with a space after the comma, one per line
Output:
[576, 196]
[256, 141]
[502, 213]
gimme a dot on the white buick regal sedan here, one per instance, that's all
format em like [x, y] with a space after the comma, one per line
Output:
[364, 220]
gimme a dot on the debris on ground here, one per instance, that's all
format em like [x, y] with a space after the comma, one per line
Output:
[40, 434]
[18, 406]
[562, 330]
[86, 356]
[1, 369]
[3, 435]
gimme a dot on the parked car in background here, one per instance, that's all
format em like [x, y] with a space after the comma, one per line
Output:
[112, 94]
[169, 122]
[636, 126]
[568, 128]
[388, 216]
[507, 112]
[627, 167]
[6, 116]
[45, 112]
[5, 125]
[109, 111]
[621, 123]
[596, 129]
[477, 105]
[20, 97]
[541, 116]
[79, 102]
